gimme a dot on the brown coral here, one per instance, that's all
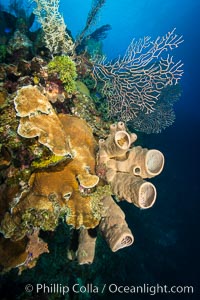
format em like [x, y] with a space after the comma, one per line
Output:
[64, 188]
[29, 101]
[49, 131]
[12, 254]
[67, 189]
[38, 118]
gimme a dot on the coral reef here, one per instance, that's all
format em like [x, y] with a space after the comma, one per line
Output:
[62, 189]
[69, 191]
[62, 162]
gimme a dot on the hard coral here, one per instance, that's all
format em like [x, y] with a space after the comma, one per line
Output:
[38, 118]
[22, 254]
[61, 190]
[30, 100]
[71, 181]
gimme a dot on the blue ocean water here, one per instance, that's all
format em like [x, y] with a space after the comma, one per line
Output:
[167, 246]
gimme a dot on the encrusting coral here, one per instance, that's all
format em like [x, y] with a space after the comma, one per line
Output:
[62, 189]
[38, 118]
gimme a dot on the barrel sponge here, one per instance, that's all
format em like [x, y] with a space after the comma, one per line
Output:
[124, 167]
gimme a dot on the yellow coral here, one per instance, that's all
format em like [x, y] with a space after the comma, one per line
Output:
[51, 161]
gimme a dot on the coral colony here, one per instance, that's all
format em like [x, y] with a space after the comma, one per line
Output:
[66, 152]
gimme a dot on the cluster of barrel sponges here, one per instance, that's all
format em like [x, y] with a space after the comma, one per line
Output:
[125, 169]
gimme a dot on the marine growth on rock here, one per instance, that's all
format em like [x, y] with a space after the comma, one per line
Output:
[62, 158]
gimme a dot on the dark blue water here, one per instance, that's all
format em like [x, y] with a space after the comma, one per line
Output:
[167, 246]
[167, 243]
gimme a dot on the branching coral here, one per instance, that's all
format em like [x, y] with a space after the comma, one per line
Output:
[92, 15]
[56, 38]
[66, 69]
[163, 114]
[134, 82]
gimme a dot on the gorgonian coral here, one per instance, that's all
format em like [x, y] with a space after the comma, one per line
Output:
[134, 82]
[56, 38]
[163, 114]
